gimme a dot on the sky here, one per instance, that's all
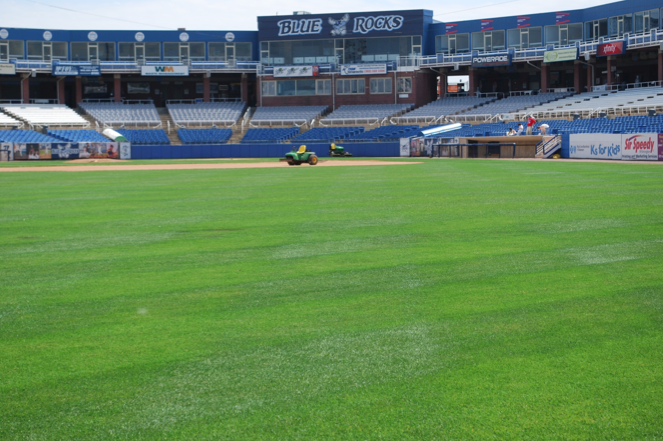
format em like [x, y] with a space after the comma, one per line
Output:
[231, 15]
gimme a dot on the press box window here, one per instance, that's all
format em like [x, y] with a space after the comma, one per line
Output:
[452, 44]
[596, 29]
[47, 51]
[524, 38]
[351, 86]
[488, 41]
[380, 85]
[563, 35]
[97, 51]
[405, 85]
[620, 25]
[296, 87]
[140, 51]
[646, 21]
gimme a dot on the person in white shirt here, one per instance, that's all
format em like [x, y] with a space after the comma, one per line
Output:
[520, 130]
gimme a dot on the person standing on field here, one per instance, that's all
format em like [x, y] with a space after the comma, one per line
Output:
[530, 124]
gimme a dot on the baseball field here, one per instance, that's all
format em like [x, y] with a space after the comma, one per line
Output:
[449, 299]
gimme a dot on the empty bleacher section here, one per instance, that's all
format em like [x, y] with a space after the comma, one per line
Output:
[78, 136]
[24, 136]
[368, 113]
[386, 133]
[145, 136]
[118, 114]
[204, 136]
[636, 100]
[222, 113]
[443, 107]
[512, 104]
[8, 121]
[257, 136]
[328, 134]
[287, 115]
[45, 114]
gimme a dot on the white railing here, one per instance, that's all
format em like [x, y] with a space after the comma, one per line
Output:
[327, 122]
[620, 87]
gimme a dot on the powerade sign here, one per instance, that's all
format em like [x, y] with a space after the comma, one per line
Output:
[77, 70]
[342, 25]
[164, 71]
[491, 60]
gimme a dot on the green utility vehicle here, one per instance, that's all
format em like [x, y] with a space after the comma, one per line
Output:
[337, 150]
[298, 157]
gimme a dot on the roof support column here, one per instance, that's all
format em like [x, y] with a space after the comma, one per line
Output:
[117, 88]
[473, 81]
[660, 65]
[61, 95]
[545, 77]
[206, 87]
[79, 90]
[611, 59]
[577, 74]
[25, 88]
[245, 88]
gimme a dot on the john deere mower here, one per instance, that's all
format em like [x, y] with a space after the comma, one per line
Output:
[298, 157]
[337, 150]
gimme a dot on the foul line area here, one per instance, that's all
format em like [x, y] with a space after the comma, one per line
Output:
[141, 167]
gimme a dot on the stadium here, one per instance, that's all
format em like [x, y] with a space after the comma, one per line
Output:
[471, 248]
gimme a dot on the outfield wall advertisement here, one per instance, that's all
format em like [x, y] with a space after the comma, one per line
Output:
[67, 150]
[627, 147]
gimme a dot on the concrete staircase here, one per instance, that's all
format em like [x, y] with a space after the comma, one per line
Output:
[172, 135]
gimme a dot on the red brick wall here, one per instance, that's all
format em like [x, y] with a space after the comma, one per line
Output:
[423, 92]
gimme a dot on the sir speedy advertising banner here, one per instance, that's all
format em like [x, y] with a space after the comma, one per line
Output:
[595, 146]
[640, 147]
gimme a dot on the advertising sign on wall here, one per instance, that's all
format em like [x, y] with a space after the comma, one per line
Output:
[81, 70]
[9, 147]
[7, 69]
[164, 71]
[640, 147]
[560, 55]
[125, 150]
[363, 69]
[491, 60]
[30, 151]
[295, 71]
[595, 146]
[614, 48]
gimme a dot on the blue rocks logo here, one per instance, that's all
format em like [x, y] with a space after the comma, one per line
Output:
[338, 26]
[364, 25]
[305, 26]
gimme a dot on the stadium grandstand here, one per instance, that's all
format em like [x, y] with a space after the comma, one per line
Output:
[77, 135]
[117, 114]
[45, 114]
[152, 86]
[281, 115]
[192, 114]
[367, 113]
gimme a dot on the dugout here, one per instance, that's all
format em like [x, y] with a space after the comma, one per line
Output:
[482, 148]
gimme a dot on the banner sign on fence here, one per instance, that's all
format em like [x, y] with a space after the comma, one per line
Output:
[595, 146]
[627, 147]
[640, 147]
[364, 69]
[7, 69]
[82, 70]
[164, 71]
[125, 150]
[9, 147]
[560, 55]
[614, 48]
[491, 60]
[295, 71]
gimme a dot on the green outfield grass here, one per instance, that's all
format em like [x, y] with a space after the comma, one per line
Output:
[455, 299]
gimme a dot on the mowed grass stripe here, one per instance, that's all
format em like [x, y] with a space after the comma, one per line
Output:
[447, 300]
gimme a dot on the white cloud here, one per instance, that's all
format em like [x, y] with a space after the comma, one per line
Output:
[230, 15]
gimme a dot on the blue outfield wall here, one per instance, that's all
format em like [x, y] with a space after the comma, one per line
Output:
[370, 150]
